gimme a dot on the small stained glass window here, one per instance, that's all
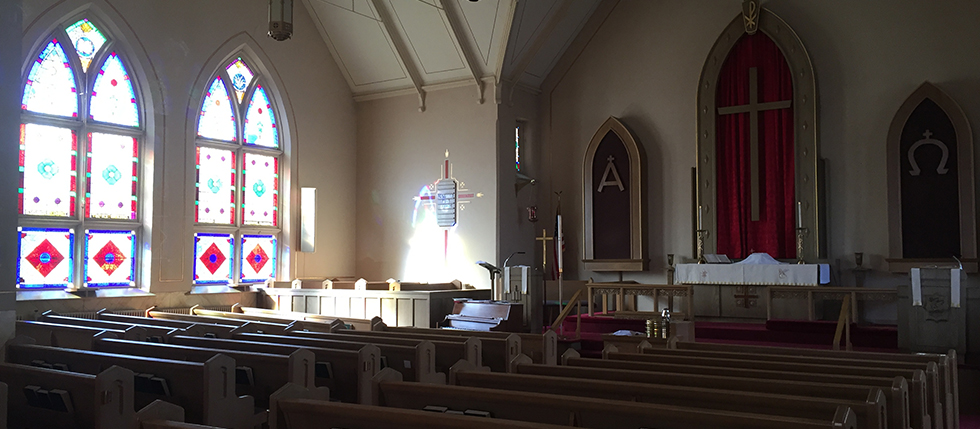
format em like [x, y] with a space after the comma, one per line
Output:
[258, 258]
[109, 258]
[50, 84]
[215, 186]
[111, 177]
[240, 76]
[213, 258]
[517, 147]
[87, 40]
[261, 190]
[47, 170]
[113, 99]
[260, 123]
[217, 117]
[45, 257]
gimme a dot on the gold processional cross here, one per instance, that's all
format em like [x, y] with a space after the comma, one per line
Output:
[753, 108]
[544, 239]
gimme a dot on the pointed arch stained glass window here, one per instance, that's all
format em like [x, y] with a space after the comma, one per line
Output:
[260, 123]
[213, 258]
[215, 186]
[217, 117]
[109, 258]
[113, 99]
[260, 203]
[50, 84]
[110, 176]
[258, 258]
[47, 170]
[45, 257]
[87, 40]
[240, 76]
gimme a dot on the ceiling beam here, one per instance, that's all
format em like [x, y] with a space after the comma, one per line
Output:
[450, 11]
[502, 52]
[525, 61]
[402, 50]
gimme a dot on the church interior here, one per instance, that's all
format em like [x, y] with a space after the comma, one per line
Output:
[489, 213]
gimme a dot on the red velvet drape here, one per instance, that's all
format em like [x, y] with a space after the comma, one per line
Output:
[774, 232]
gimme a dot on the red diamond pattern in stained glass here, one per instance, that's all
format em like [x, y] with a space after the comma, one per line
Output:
[45, 257]
[213, 258]
[257, 258]
[109, 258]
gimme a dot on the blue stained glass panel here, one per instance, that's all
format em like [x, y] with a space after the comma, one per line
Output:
[260, 204]
[260, 123]
[113, 99]
[240, 76]
[110, 258]
[215, 186]
[213, 258]
[111, 173]
[50, 86]
[47, 170]
[217, 119]
[258, 258]
[87, 40]
[45, 257]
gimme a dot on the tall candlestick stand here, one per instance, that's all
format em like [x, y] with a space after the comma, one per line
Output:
[702, 233]
[800, 234]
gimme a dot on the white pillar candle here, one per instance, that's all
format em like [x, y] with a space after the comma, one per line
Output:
[799, 214]
[699, 217]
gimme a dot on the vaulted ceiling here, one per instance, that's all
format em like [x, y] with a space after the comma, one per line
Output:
[386, 47]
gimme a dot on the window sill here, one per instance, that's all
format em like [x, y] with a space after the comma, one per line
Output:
[218, 289]
[53, 294]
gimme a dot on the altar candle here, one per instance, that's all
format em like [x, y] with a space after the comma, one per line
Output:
[699, 216]
[799, 214]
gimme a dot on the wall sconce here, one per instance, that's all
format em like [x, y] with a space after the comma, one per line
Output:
[280, 19]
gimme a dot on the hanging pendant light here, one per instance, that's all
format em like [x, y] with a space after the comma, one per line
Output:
[280, 19]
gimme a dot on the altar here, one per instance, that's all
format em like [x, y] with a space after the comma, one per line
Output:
[739, 290]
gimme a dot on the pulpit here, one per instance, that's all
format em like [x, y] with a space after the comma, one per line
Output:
[932, 310]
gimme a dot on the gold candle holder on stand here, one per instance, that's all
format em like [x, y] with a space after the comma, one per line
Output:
[800, 234]
[702, 233]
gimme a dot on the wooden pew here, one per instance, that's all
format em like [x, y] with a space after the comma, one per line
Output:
[589, 412]
[871, 412]
[76, 337]
[154, 333]
[541, 348]
[948, 364]
[497, 352]
[350, 322]
[918, 412]
[896, 395]
[303, 325]
[258, 374]
[205, 390]
[938, 397]
[273, 328]
[347, 373]
[190, 328]
[48, 398]
[445, 353]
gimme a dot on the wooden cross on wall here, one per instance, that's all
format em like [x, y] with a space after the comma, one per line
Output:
[753, 108]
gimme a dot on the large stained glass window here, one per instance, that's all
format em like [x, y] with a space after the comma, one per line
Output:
[213, 258]
[79, 117]
[238, 162]
[109, 258]
[45, 257]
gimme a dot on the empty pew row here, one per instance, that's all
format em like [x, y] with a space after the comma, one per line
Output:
[497, 352]
[190, 328]
[305, 325]
[349, 322]
[153, 332]
[541, 348]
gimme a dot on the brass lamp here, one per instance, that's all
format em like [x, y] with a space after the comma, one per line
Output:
[280, 19]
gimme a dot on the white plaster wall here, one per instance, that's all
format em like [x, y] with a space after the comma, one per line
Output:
[175, 42]
[516, 232]
[643, 66]
[399, 150]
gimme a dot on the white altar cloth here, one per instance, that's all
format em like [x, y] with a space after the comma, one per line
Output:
[753, 274]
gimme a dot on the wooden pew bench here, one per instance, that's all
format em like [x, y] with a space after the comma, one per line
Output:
[444, 354]
[76, 337]
[190, 328]
[48, 398]
[347, 373]
[871, 412]
[947, 363]
[205, 390]
[918, 413]
[303, 325]
[157, 334]
[350, 322]
[272, 328]
[258, 374]
[897, 409]
[497, 352]
[589, 412]
[541, 348]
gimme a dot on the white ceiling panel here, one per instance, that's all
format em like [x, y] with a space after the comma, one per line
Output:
[429, 38]
[363, 7]
[558, 40]
[481, 21]
[361, 46]
[529, 20]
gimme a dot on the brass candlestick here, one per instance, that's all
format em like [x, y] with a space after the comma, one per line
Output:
[702, 233]
[800, 234]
